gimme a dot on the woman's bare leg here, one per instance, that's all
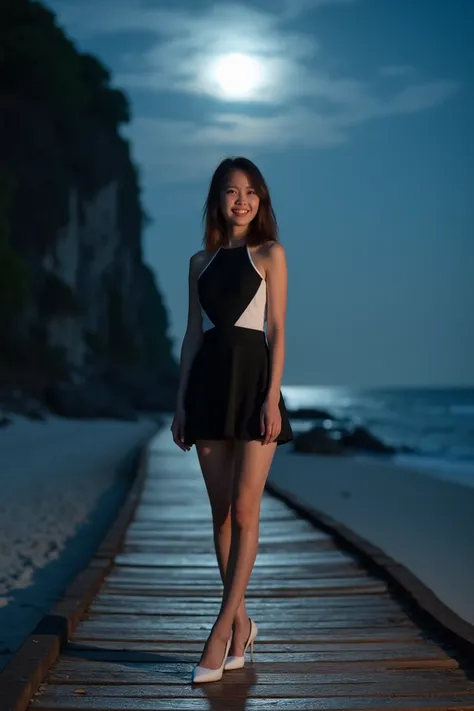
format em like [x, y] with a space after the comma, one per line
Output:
[217, 461]
[253, 461]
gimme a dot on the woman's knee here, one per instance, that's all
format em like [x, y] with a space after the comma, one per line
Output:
[221, 512]
[216, 460]
[220, 499]
[245, 511]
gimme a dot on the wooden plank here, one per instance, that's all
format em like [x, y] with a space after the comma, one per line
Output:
[404, 659]
[167, 685]
[128, 668]
[195, 514]
[181, 604]
[201, 560]
[280, 625]
[324, 637]
[268, 537]
[150, 528]
[253, 591]
[92, 630]
[215, 694]
[349, 648]
[323, 566]
[192, 608]
[333, 583]
[152, 605]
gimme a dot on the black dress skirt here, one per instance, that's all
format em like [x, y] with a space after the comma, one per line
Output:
[229, 377]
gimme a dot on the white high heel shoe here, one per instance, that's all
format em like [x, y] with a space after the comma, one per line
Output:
[203, 674]
[238, 662]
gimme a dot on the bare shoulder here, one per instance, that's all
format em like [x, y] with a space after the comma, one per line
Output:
[275, 248]
[273, 252]
[198, 261]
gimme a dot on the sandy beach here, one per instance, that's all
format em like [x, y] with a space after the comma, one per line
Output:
[422, 521]
[62, 482]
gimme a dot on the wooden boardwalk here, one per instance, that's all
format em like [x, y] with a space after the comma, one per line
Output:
[330, 635]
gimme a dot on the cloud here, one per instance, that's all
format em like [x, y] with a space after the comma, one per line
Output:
[419, 97]
[291, 9]
[301, 103]
[143, 15]
[396, 70]
[175, 150]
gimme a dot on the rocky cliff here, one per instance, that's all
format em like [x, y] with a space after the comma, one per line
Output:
[78, 305]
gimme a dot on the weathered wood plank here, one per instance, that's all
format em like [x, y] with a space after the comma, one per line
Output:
[300, 603]
[324, 637]
[192, 609]
[321, 567]
[327, 650]
[216, 696]
[198, 515]
[298, 526]
[91, 631]
[277, 537]
[201, 560]
[284, 624]
[295, 617]
[392, 660]
[252, 593]
[176, 684]
[107, 668]
[292, 587]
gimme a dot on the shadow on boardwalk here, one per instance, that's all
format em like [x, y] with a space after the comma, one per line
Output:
[331, 636]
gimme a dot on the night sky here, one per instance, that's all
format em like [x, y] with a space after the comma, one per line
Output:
[360, 114]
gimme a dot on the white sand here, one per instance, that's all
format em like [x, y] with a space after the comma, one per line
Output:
[61, 482]
[421, 521]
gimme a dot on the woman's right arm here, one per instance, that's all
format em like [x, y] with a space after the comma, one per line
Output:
[193, 336]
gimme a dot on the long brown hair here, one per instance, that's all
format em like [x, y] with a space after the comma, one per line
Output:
[263, 227]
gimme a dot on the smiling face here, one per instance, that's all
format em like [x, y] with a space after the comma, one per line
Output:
[239, 201]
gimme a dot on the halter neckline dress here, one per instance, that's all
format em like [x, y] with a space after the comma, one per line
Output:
[229, 376]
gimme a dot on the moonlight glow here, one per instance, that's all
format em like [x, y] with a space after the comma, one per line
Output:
[237, 75]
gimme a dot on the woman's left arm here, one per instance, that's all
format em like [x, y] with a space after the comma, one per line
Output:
[276, 275]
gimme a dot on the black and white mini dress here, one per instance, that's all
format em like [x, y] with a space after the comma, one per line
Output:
[229, 376]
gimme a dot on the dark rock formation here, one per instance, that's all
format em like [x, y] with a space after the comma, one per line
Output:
[337, 440]
[361, 438]
[318, 440]
[76, 298]
[309, 413]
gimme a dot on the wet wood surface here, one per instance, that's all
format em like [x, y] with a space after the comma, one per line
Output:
[331, 636]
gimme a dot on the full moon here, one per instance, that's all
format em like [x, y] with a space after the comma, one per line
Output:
[237, 75]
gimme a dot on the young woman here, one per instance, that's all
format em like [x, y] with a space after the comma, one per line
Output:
[229, 401]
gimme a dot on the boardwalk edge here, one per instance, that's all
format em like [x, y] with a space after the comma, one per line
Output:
[447, 623]
[26, 670]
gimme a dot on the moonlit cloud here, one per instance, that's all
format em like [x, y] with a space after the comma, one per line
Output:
[187, 149]
[302, 103]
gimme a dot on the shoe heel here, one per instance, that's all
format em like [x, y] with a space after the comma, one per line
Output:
[251, 651]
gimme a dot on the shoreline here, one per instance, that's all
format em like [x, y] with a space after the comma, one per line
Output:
[425, 423]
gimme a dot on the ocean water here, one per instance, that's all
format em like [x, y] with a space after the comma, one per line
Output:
[438, 423]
